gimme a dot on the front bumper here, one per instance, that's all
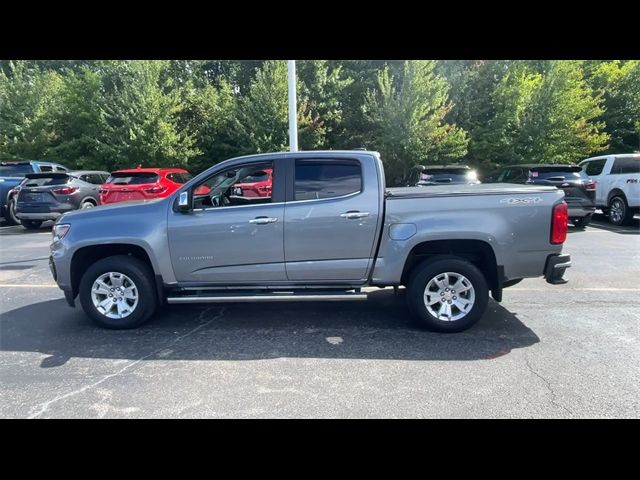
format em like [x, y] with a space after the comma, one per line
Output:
[555, 267]
[68, 294]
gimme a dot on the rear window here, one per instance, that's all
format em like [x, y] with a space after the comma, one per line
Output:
[132, 178]
[260, 176]
[179, 177]
[13, 170]
[557, 173]
[44, 181]
[626, 165]
[445, 175]
[326, 179]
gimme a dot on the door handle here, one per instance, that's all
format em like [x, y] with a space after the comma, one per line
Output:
[263, 220]
[352, 215]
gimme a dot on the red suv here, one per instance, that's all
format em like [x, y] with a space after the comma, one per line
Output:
[142, 184]
[257, 185]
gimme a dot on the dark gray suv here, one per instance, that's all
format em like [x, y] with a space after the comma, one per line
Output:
[46, 196]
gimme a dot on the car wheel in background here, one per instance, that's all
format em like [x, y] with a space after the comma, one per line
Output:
[11, 218]
[582, 222]
[31, 224]
[447, 294]
[619, 211]
[87, 204]
[118, 292]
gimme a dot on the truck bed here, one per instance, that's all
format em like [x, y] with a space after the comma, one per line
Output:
[455, 190]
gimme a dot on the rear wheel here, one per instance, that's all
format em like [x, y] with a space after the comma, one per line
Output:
[11, 218]
[118, 292]
[31, 224]
[447, 294]
[582, 221]
[87, 204]
[619, 211]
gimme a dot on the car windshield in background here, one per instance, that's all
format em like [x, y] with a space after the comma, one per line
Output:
[45, 180]
[557, 173]
[19, 170]
[260, 176]
[132, 178]
[449, 175]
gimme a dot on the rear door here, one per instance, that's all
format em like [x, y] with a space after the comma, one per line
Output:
[331, 218]
[595, 171]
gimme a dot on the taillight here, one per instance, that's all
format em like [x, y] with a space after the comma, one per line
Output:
[559, 222]
[65, 190]
[590, 186]
[156, 189]
[102, 191]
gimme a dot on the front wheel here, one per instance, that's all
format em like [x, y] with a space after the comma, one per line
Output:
[447, 294]
[118, 292]
[31, 224]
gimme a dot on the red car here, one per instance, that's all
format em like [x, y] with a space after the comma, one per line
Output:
[257, 185]
[142, 184]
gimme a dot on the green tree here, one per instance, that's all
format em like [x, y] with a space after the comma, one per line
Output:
[29, 100]
[260, 123]
[406, 120]
[619, 84]
[562, 125]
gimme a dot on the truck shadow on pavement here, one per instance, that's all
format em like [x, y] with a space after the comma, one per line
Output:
[380, 328]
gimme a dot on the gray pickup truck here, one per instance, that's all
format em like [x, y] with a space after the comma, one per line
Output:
[321, 226]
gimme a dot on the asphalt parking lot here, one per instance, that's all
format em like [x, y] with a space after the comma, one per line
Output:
[546, 351]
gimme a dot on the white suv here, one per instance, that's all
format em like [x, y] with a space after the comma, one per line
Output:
[617, 180]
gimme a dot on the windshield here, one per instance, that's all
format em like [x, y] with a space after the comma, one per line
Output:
[15, 170]
[44, 181]
[447, 175]
[132, 178]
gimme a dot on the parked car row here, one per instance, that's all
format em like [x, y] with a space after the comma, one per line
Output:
[33, 192]
[610, 182]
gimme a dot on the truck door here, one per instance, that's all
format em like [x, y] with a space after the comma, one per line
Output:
[331, 218]
[229, 237]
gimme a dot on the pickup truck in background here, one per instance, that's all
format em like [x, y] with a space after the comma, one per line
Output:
[328, 229]
[617, 180]
[11, 175]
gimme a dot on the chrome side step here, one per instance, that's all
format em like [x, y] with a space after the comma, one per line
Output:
[266, 298]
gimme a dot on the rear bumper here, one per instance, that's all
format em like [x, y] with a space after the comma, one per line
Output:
[576, 211]
[39, 216]
[555, 267]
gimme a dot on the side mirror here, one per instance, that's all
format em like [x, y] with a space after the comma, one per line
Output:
[184, 202]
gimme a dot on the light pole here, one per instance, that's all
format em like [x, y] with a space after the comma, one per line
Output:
[293, 114]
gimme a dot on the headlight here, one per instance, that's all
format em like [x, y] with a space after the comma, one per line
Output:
[60, 230]
[472, 176]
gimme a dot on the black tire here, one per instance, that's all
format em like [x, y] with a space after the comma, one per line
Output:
[581, 222]
[142, 277]
[31, 224]
[11, 218]
[87, 204]
[428, 270]
[619, 204]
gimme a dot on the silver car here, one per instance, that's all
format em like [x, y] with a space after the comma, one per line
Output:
[46, 196]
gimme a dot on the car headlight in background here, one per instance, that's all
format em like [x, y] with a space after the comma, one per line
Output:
[59, 231]
[472, 175]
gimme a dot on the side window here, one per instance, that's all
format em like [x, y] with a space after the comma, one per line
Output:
[518, 175]
[103, 177]
[94, 178]
[236, 186]
[84, 178]
[317, 179]
[46, 168]
[625, 165]
[594, 167]
[60, 168]
[504, 176]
